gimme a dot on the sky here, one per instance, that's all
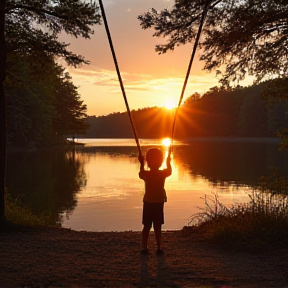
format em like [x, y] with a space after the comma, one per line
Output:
[149, 79]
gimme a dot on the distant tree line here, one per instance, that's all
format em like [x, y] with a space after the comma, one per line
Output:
[152, 122]
[238, 112]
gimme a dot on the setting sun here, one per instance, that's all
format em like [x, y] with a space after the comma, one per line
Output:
[170, 104]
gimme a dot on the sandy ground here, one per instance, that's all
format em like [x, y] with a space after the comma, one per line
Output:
[55, 257]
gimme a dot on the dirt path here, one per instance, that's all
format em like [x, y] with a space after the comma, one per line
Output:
[52, 257]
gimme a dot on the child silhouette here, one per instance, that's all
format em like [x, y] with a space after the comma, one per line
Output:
[154, 197]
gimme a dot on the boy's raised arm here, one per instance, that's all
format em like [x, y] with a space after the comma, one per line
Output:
[168, 163]
[142, 170]
[141, 160]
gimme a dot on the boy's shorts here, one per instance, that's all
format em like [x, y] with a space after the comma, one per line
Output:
[153, 213]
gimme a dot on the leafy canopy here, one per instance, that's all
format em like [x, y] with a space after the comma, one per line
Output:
[247, 37]
[34, 25]
[43, 106]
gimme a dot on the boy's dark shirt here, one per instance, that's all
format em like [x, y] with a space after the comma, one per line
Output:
[154, 184]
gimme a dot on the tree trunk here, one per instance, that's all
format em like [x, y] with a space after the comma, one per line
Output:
[3, 130]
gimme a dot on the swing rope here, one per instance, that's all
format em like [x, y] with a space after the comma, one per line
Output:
[119, 77]
[204, 13]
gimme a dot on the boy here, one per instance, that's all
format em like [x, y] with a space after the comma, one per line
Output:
[155, 195]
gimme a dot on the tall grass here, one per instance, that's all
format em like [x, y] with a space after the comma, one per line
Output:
[21, 215]
[261, 221]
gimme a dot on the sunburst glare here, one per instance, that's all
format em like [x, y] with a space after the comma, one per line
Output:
[170, 104]
[166, 142]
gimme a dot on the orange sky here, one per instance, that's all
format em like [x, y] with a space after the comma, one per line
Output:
[149, 79]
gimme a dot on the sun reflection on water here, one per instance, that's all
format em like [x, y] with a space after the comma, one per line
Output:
[111, 199]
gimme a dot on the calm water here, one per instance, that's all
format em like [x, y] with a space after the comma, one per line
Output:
[96, 187]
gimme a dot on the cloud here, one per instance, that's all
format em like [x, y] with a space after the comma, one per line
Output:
[139, 82]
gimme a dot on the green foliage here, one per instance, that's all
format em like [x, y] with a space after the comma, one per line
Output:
[70, 110]
[34, 25]
[275, 93]
[240, 38]
[277, 89]
[261, 222]
[31, 28]
[42, 102]
[275, 183]
[21, 215]
[179, 24]
[252, 120]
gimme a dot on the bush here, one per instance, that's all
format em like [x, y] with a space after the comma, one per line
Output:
[18, 214]
[262, 221]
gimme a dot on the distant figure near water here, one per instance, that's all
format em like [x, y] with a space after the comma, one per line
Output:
[155, 195]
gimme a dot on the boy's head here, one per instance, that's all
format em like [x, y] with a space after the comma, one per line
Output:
[154, 158]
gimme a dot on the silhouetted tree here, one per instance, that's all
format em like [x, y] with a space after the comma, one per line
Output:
[277, 92]
[34, 25]
[249, 37]
[70, 111]
[2, 110]
[242, 37]
[43, 105]
[194, 97]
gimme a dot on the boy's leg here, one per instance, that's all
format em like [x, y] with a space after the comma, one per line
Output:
[145, 235]
[157, 232]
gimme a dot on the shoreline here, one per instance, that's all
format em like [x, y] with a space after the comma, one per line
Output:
[59, 257]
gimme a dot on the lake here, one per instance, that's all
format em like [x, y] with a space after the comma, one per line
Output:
[95, 187]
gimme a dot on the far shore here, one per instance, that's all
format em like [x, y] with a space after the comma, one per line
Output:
[235, 139]
[80, 141]
[203, 139]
